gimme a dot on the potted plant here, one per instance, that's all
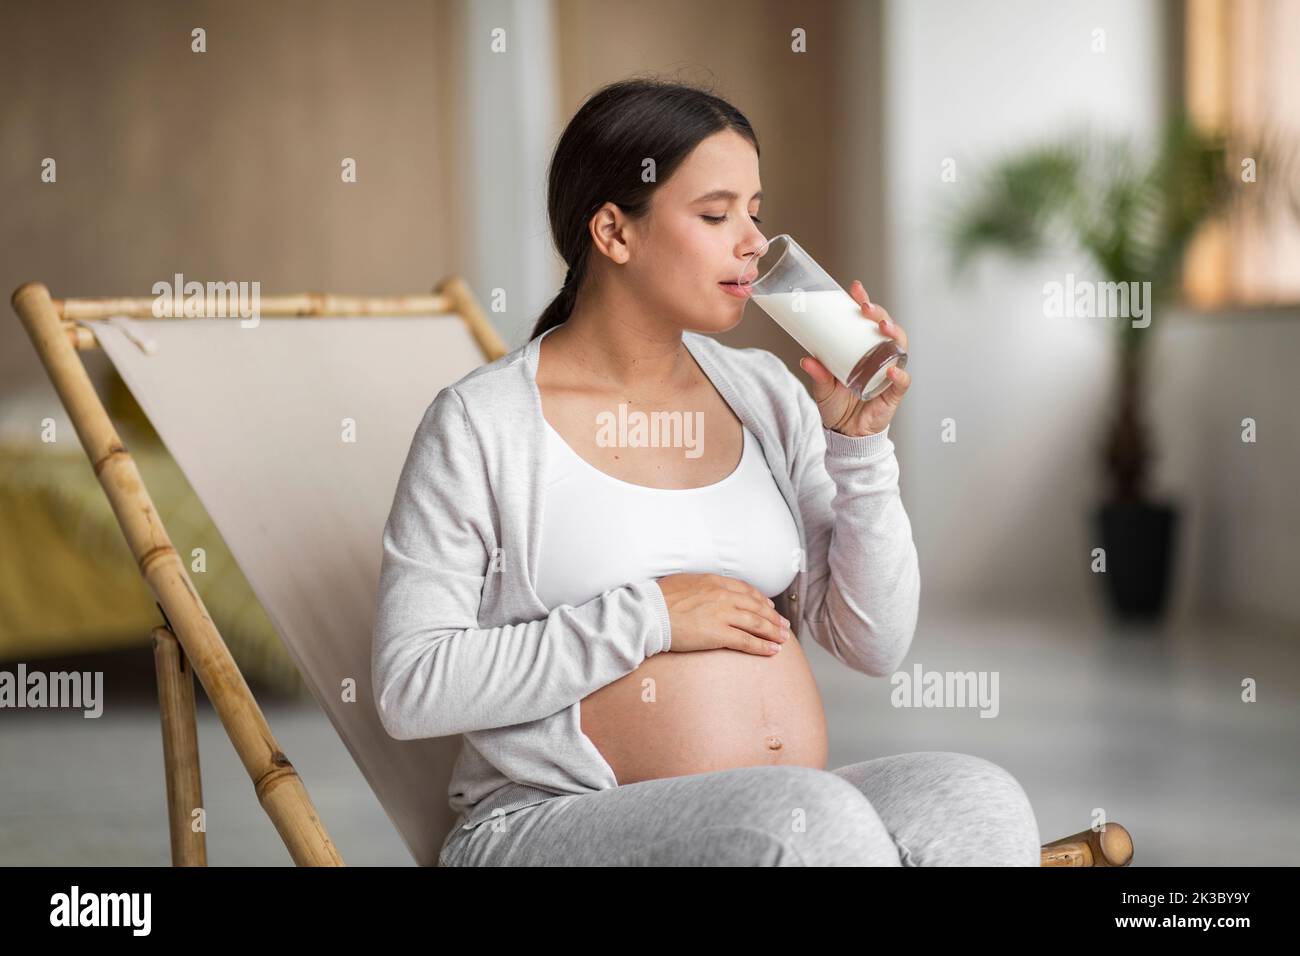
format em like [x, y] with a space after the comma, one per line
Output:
[1130, 213]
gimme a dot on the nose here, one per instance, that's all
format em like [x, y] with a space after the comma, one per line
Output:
[756, 242]
[751, 250]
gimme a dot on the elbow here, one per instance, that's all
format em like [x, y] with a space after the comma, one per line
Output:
[389, 716]
[894, 645]
[894, 639]
[407, 682]
[886, 641]
[403, 720]
[396, 731]
[881, 652]
[381, 686]
[399, 704]
[876, 649]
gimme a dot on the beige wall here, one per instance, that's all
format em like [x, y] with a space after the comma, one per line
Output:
[224, 165]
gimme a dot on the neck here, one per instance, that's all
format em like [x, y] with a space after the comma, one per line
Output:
[614, 344]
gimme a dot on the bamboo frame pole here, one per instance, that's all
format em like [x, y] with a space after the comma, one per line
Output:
[452, 294]
[278, 787]
[295, 305]
[458, 291]
[180, 748]
[1111, 847]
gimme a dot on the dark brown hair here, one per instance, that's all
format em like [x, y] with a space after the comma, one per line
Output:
[600, 155]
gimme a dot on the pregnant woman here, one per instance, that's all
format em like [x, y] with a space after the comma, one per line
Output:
[612, 614]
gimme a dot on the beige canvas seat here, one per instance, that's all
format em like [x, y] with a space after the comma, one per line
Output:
[292, 432]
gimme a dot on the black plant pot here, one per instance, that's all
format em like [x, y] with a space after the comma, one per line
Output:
[1140, 539]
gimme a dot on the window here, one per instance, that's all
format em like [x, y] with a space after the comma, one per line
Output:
[1242, 73]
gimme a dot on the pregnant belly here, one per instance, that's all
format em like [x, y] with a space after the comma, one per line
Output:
[697, 711]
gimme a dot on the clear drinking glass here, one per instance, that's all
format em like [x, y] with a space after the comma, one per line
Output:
[818, 314]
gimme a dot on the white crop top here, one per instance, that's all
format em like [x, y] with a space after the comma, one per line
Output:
[600, 532]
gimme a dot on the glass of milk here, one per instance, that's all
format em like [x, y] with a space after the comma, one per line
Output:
[801, 298]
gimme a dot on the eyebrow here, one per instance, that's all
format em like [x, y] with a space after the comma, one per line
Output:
[726, 194]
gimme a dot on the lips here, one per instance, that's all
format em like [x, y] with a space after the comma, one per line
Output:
[738, 289]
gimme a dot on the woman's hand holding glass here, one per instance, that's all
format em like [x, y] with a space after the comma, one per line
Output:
[842, 409]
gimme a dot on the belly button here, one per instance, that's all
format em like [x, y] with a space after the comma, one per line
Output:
[774, 742]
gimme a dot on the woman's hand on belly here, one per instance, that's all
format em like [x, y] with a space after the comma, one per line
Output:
[710, 611]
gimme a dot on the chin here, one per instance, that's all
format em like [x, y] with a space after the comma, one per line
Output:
[717, 325]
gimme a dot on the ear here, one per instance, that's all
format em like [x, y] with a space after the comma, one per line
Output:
[611, 233]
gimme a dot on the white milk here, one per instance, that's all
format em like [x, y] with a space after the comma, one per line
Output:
[832, 327]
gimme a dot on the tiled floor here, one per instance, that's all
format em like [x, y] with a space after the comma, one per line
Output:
[1148, 726]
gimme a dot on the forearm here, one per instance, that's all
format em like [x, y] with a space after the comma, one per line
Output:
[864, 581]
[437, 679]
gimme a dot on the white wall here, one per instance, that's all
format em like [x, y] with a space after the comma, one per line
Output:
[1002, 516]
[509, 124]
[1243, 526]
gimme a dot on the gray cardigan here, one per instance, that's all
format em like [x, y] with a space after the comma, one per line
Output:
[462, 644]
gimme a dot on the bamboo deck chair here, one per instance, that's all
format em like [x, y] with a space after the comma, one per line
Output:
[307, 538]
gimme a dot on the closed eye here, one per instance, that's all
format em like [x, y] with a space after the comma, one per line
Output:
[717, 219]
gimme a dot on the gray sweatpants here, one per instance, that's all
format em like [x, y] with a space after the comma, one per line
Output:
[931, 808]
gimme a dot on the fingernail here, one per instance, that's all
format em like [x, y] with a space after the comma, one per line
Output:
[776, 648]
[771, 603]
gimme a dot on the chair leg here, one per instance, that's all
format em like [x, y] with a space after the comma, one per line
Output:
[279, 788]
[1111, 847]
[180, 748]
